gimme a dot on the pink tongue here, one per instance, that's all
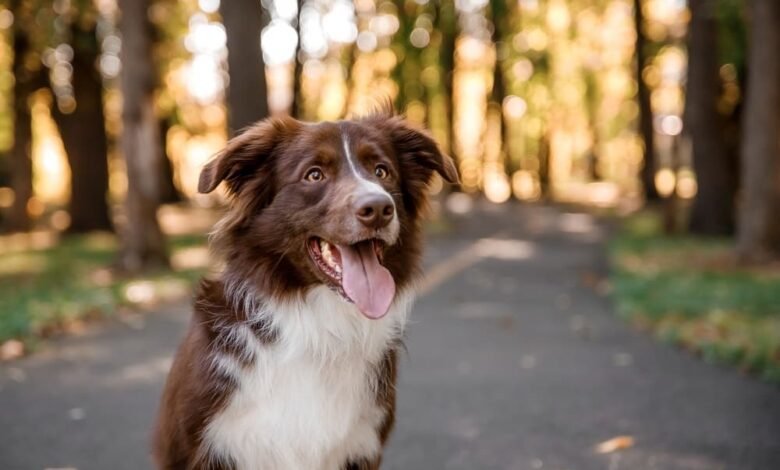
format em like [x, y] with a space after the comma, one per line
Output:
[369, 284]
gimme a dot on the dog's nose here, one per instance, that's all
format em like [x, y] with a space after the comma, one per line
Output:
[375, 210]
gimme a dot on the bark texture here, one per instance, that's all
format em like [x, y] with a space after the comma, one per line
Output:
[143, 241]
[26, 82]
[447, 24]
[169, 192]
[713, 207]
[647, 174]
[498, 17]
[758, 234]
[247, 95]
[295, 106]
[84, 137]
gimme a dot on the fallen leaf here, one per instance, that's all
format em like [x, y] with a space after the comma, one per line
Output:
[11, 349]
[615, 444]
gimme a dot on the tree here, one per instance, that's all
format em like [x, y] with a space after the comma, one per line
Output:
[295, 106]
[713, 207]
[348, 57]
[247, 95]
[143, 242]
[168, 23]
[169, 193]
[28, 78]
[498, 16]
[647, 174]
[408, 68]
[83, 133]
[447, 25]
[758, 233]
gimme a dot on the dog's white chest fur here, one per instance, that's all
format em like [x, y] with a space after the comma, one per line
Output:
[308, 401]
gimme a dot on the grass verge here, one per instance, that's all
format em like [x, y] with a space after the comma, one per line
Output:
[44, 291]
[688, 291]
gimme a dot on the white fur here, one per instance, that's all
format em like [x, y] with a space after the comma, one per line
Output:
[308, 402]
[370, 186]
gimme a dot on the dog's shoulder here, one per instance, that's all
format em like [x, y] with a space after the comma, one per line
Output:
[206, 372]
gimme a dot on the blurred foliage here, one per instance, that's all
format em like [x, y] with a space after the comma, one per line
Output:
[690, 292]
[565, 95]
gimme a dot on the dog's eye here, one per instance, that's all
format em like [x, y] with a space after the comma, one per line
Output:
[314, 175]
[381, 172]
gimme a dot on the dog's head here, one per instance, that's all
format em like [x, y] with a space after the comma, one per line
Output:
[333, 203]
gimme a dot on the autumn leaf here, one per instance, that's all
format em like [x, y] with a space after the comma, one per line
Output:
[615, 444]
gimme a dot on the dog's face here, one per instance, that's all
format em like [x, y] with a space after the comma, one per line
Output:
[329, 203]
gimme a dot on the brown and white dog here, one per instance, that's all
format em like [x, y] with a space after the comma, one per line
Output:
[290, 359]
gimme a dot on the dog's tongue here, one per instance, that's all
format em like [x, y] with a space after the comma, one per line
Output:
[369, 284]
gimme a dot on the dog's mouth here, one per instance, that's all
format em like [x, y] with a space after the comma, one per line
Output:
[356, 273]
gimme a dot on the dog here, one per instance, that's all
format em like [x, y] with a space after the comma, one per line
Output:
[290, 359]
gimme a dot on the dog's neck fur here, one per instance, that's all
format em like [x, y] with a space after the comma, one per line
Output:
[318, 322]
[323, 363]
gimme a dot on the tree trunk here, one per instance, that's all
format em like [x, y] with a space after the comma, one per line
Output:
[169, 192]
[143, 241]
[647, 174]
[758, 235]
[295, 106]
[498, 92]
[408, 70]
[26, 82]
[498, 13]
[447, 19]
[544, 165]
[247, 95]
[592, 101]
[713, 208]
[348, 58]
[84, 137]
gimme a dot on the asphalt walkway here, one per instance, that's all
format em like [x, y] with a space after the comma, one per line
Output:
[515, 361]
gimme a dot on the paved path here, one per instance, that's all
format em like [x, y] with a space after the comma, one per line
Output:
[514, 361]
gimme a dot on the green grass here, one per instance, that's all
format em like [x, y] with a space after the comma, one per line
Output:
[688, 291]
[50, 290]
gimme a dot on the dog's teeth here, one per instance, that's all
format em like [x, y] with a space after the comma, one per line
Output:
[327, 255]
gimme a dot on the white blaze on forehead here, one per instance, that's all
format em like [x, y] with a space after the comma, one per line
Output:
[372, 187]
[368, 185]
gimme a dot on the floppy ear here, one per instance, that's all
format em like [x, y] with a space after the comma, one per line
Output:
[245, 155]
[419, 154]
[418, 157]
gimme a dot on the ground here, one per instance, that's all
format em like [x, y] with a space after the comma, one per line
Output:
[515, 360]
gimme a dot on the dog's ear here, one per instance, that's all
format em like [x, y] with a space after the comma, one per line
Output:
[418, 158]
[418, 154]
[245, 155]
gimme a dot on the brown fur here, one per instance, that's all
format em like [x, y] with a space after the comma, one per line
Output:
[262, 240]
